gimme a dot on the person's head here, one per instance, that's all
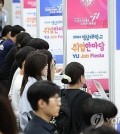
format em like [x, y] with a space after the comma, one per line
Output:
[51, 64]
[20, 38]
[104, 129]
[6, 31]
[44, 98]
[16, 29]
[22, 54]
[93, 107]
[74, 73]
[35, 66]
[26, 41]
[38, 43]
[1, 3]
[7, 118]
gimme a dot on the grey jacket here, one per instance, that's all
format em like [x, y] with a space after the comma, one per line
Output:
[3, 18]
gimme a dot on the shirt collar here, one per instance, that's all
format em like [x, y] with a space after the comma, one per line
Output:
[44, 124]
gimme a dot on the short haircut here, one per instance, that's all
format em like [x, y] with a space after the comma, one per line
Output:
[6, 30]
[22, 54]
[41, 90]
[38, 43]
[16, 29]
[74, 70]
[94, 106]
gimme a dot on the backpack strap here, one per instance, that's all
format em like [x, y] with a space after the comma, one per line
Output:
[61, 92]
[69, 97]
[72, 97]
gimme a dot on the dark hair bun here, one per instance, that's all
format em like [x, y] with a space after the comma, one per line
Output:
[65, 81]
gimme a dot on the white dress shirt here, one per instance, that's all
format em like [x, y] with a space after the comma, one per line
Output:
[24, 105]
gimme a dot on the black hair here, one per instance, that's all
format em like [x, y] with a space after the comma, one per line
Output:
[41, 90]
[38, 43]
[22, 54]
[34, 64]
[6, 30]
[7, 117]
[74, 70]
[16, 29]
[25, 41]
[93, 106]
[104, 129]
[49, 56]
[20, 37]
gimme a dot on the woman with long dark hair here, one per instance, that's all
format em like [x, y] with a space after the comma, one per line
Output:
[35, 67]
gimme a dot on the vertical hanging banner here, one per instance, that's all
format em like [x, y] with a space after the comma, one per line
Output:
[87, 39]
[16, 12]
[118, 24]
[51, 28]
[29, 17]
[117, 58]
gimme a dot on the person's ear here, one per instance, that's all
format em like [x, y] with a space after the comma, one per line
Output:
[41, 103]
[82, 79]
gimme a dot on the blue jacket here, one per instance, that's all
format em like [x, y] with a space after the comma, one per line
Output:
[4, 49]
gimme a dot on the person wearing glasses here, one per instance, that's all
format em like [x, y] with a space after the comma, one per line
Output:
[44, 99]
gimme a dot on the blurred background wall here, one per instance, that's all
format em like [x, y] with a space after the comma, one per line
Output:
[7, 6]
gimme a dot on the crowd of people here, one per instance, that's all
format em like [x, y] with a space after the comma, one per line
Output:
[31, 103]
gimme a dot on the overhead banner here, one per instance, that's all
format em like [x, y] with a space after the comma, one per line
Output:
[16, 12]
[87, 39]
[29, 17]
[51, 28]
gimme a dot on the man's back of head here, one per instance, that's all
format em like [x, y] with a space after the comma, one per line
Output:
[16, 29]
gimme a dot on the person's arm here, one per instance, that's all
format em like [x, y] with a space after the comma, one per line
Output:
[4, 17]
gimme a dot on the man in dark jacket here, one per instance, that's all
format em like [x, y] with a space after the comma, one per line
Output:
[5, 48]
[45, 101]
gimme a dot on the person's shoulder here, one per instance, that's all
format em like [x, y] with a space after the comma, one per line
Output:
[8, 41]
[85, 94]
[12, 51]
[1, 40]
[34, 128]
[4, 11]
[82, 95]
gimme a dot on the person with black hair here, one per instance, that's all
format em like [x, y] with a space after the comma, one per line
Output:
[94, 107]
[34, 69]
[9, 43]
[39, 44]
[24, 39]
[45, 102]
[21, 41]
[6, 73]
[51, 64]
[5, 33]
[14, 93]
[74, 96]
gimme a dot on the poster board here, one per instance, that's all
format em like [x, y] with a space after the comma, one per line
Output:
[87, 39]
